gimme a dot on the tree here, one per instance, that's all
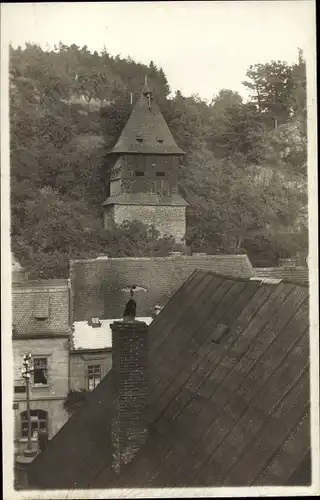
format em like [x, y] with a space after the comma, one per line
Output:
[271, 86]
[75, 399]
[244, 173]
[236, 128]
[299, 93]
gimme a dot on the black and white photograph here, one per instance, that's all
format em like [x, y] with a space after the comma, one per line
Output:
[159, 269]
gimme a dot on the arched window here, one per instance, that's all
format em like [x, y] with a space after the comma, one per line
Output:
[39, 420]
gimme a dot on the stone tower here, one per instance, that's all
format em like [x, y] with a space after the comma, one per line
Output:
[144, 175]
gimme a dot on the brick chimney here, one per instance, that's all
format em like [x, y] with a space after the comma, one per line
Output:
[130, 366]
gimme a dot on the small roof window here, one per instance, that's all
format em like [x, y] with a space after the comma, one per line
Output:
[94, 322]
[139, 137]
[218, 333]
[41, 306]
[159, 139]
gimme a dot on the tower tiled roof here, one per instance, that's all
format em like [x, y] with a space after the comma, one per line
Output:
[146, 130]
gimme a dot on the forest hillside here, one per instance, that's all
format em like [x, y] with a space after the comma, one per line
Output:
[244, 174]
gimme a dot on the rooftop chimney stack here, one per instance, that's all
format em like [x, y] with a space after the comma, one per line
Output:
[130, 367]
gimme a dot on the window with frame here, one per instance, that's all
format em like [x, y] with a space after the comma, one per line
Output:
[40, 371]
[158, 186]
[39, 420]
[94, 376]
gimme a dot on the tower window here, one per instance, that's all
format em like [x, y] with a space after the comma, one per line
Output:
[160, 174]
[139, 174]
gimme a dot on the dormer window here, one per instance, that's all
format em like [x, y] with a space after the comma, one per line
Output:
[41, 306]
[94, 322]
[218, 333]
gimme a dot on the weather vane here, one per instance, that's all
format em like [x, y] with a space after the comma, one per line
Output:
[147, 91]
[131, 306]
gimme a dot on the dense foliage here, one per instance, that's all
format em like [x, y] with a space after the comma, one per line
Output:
[75, 400]
[244, 174]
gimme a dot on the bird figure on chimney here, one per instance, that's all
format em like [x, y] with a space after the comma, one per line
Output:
[131, 306]
[130, 310]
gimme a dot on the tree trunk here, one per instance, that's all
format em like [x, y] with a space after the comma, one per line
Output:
[239, 242]
[259, 99]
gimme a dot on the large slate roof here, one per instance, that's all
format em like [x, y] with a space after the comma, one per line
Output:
[97, 284]
[47, 300]
[295, 274]
[229, 396]
[146, 132]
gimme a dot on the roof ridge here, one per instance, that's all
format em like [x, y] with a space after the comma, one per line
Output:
[160, 258]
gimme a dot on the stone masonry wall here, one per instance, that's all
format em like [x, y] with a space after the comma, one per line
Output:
[130, 367]
[57, 417]
[50, 397]
[56, 350]
[167, 219]
[108, 217]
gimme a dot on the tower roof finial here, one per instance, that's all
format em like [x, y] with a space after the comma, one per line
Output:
[146, 89]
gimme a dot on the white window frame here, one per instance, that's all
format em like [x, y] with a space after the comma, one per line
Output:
[46, 369]
[34, 419]
[96, 378]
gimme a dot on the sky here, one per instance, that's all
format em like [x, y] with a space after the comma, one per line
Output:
[202, 47]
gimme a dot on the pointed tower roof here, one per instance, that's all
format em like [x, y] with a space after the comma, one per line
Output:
[146, 131]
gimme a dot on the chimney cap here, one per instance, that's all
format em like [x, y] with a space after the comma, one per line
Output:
[129, 325]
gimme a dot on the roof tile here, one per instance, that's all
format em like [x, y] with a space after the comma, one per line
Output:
[40, 308]
[146, 132]
[293, 274]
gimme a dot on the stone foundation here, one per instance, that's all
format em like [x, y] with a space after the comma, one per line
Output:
[167, 219]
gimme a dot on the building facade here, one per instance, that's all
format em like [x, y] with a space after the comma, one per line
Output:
[41, 327]
[144, 175]
[91, 352]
